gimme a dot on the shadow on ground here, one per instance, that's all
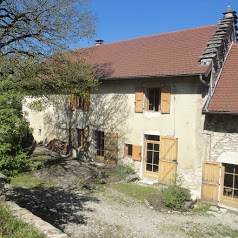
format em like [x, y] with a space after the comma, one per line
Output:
[54, 205]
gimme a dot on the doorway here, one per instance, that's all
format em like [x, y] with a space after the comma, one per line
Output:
[229, 185]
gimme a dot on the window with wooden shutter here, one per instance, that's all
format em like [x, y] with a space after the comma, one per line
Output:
[136, 152]
[83, 103]
[72, 102]
[165, 100]
[139, 98]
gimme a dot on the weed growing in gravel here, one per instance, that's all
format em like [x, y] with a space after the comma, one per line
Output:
[136, 191]
[174, 196]
[13, 227]
[201, 208]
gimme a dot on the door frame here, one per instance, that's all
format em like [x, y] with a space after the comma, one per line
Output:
[149, 174]
[225, 200]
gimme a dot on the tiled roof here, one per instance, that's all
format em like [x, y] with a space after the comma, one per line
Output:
[225, 97]
[174, 53]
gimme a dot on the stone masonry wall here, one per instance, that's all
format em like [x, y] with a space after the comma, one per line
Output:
[223, 130]
[3, 181]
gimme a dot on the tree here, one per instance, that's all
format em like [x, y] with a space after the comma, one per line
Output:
[30, 31]
[43, 27]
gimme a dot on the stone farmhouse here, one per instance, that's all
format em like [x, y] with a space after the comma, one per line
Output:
[167, 105]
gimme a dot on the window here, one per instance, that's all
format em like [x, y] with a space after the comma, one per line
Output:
[80, 133]
[79, 102]
[133, 151]
[128, 149]
[153, 99]
[231, 181]
[99, 143]
[157, 100]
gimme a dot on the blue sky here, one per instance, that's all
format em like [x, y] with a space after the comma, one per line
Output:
[125, 19]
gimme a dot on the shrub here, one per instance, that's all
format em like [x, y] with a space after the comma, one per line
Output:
[174, 196]
[124, 169]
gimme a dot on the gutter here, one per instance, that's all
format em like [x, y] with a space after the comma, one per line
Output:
[220, 112]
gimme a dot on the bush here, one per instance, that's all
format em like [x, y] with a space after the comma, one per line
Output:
[174, 196]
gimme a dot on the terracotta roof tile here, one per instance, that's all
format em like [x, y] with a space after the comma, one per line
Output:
[173, 53]
[225, 97]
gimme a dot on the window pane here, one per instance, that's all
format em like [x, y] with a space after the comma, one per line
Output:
[228, 192]
[156, 147]
[229, 168]
[149, 156]
[129, 150]
[236, 182]
[153, 137]
[156, 157]
[149, 146]
[236, 169]
[228, 180]
[155, 168]
[149, 167]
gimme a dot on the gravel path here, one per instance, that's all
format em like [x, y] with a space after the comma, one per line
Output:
[107, 213]
[119, 216]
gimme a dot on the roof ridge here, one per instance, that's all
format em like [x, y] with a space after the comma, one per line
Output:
[147, 36]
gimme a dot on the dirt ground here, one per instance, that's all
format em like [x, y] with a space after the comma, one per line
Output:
[81, 202]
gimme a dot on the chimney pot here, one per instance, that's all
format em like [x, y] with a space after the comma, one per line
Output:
[98, 42]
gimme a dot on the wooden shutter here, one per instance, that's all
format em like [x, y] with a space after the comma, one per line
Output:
[139, 97]
[72, 102]
[165, 100]
[86, 101]
[168, 160]
[72, 136]
[136, 152]
[210, 181]
[86, 139]
[110, 147]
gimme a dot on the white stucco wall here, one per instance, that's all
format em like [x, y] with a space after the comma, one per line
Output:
[113, 110]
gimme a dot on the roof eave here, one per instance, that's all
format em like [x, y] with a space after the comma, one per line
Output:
[220, 112]
[154, 76]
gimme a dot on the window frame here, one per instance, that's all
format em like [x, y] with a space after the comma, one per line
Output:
[155, 101]
[99, 138]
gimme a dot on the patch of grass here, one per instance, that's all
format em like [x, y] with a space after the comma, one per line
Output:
[13, 227]
[27, 180]
[201, 208]
[136, 191]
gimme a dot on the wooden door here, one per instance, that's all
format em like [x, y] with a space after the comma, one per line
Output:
[168, 160]
[210, 181]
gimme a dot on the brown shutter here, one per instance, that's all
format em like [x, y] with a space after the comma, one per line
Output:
[72, 136]
[136, 152]
[110, 147]
[86, 101]
[165, 100]
[72, 102]
[139, 97]
[86, 139]
[210, 181]
[168, 160]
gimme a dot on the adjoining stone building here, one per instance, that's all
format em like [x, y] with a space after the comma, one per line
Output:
[221, 172]
[152, 108]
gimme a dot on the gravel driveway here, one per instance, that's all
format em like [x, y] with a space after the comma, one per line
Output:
[108, 213]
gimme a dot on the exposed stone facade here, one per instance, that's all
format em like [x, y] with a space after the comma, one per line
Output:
[3, 180]
[223, 130]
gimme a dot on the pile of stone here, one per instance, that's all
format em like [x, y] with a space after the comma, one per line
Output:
[58, 146]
